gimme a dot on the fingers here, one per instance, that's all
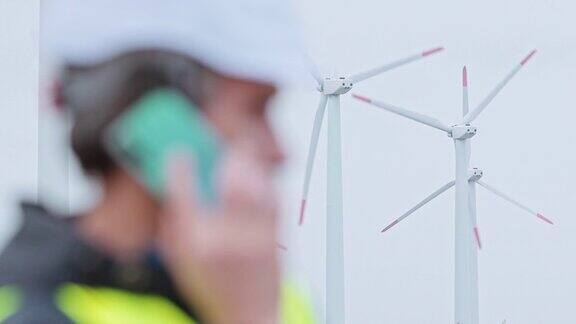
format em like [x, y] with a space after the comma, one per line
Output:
[178, 222]
[181, 193]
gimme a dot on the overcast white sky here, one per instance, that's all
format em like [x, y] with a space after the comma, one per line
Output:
[525, 146]
[18, 105]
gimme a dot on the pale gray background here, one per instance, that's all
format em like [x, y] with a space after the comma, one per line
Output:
[19, 63]
[525, 146]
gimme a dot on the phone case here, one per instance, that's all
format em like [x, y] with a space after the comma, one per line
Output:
[162, 123]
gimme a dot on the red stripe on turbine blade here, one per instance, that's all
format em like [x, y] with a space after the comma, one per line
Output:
[432, 51]
[527, 58]
[362, 98]
[390, 226]
[464, 77]
[477, 236]
[544, 218]
[302, 211]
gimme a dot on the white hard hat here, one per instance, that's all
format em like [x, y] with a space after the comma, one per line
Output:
[248, 39]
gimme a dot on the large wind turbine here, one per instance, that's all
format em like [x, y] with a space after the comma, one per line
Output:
[466, 231]
[331, 88]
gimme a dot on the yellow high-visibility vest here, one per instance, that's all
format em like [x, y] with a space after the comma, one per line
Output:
[90, 305]
[9, 302]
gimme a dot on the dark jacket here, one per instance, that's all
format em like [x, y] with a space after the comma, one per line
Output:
[49, 275]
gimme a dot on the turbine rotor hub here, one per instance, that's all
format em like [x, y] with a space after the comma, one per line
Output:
[475, 174]
[463, 132]
[336, 86]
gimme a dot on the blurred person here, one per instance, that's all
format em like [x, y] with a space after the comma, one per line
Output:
[185, 253]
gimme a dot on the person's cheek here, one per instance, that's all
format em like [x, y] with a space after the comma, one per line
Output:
[240, 123]
[224, 123]
[271, 150]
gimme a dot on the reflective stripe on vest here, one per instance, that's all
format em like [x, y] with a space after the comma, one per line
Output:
[89, 305]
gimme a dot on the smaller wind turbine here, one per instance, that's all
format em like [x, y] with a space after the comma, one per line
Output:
[466, 231]
[331, 88]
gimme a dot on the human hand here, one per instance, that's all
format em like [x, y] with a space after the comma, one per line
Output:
[224, 260]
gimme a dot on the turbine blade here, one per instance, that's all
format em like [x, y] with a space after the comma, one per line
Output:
[426, 120]
[472, 212]
[477, 237]
[281, 246]
[465, 103]
[312, 153]
[313, 70]
[420, 204]
[478, 110]
[390, 66]
[514, 202]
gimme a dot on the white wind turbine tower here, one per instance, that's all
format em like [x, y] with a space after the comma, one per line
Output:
[331, 88]
[466, 231]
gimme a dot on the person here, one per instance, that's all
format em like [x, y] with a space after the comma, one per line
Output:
[135, 258]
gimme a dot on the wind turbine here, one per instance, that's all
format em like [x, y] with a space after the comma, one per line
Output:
[466, 231]
[331, 87]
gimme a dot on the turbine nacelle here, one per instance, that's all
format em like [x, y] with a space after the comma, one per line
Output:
[336, 85]
[475, 175]
[462, 132]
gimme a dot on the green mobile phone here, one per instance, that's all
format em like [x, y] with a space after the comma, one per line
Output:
[162, 122]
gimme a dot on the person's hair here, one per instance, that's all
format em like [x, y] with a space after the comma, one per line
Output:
[96, 95]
